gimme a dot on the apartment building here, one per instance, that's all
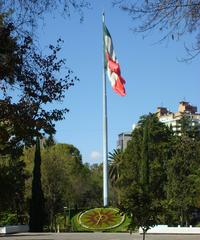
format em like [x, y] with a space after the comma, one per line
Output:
[123, 139]
[171, 119]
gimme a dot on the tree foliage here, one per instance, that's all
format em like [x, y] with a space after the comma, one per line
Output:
[159, 180]
[28, 81]
[25, 13]
[66, 181]
[115, 161]
[93, 185]
[183, 173]
[12, 187]
[172, 18]
[144, 173]
[37, 208]
[182, 176]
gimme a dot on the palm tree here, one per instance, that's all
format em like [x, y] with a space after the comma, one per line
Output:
[115, 160]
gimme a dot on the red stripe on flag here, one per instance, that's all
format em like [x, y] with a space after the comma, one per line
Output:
[119, 86]
[113, 66]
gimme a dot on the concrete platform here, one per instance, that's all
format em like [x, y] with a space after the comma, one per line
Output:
[164, 229]
[14, 229]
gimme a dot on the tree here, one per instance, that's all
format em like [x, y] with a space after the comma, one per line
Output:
[34, 80]
[61, 178]
[173, 18]
[25, 14]
[115, 161]
[145, 158]
[32, 76]
[66, 181]
[181, 187]
[12, 187]
[55, 181]
[50, 141]
[37, 207]
[187, 127]
[197, 173]
[183, 173]
[93, 178]
[143, 173]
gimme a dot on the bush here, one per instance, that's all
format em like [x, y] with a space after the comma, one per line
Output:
[8, 219]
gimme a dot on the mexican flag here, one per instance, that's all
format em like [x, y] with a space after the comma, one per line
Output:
[111, 64]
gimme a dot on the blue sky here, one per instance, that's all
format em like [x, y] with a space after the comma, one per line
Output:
[153, 76]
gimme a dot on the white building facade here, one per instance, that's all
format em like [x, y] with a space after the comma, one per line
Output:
[172, 119]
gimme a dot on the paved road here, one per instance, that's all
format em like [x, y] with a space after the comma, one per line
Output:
[94, 236]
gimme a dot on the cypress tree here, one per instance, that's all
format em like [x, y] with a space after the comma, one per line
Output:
[37, 213]
[143, 173]
[145, 159]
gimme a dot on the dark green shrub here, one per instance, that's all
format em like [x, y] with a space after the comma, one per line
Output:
[8, 219]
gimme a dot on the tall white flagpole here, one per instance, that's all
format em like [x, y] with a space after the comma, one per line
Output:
[105, 131]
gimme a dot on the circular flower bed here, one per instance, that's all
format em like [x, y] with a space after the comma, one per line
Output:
[101, 218]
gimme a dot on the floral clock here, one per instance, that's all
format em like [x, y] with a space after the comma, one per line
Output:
[101, 218]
